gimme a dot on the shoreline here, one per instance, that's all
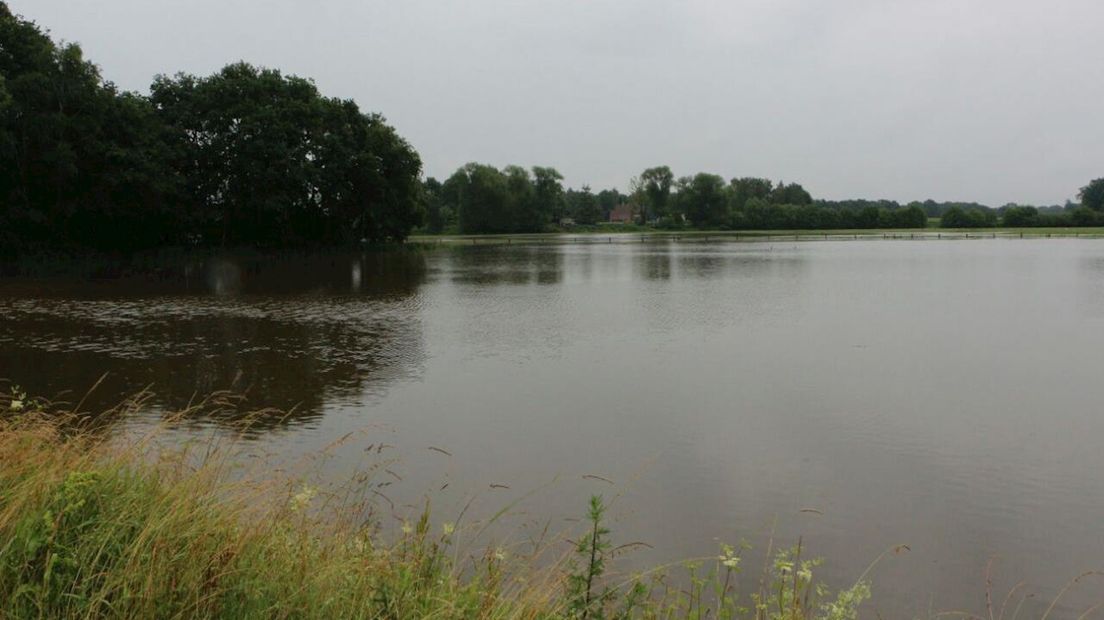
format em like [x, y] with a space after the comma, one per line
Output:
[888, 234]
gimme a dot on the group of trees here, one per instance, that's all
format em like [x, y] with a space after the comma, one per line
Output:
[247, 156]
[484, 199]
[1088, 212]
[479, 198]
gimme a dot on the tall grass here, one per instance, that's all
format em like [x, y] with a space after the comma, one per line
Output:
[95, 526]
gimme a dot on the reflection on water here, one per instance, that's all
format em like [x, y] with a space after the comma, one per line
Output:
[290, 334]
[940, 394]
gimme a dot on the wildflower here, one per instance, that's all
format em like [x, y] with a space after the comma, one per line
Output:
[499, 554]
[448, 528]
[407, 529]
[301, 500]
[16, 405]
[728, 558]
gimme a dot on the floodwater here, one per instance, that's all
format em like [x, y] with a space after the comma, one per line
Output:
[947, 395]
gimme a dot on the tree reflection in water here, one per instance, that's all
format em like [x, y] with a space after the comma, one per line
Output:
[291, 332]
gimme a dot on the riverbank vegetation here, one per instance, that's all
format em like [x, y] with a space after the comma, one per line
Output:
[93, 524]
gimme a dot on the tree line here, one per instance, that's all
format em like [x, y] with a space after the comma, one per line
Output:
[480, 198]
[251, 157]
[247, 156]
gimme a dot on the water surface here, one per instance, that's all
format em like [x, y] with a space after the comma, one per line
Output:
[943, 394]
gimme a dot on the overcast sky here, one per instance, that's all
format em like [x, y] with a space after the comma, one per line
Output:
[987, 100]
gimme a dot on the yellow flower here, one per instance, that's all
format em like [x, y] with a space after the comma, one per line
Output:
[448, 528]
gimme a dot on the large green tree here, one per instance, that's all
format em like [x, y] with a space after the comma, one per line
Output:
[584, 207]
[1092, 195]
[548, 192]
[269, 161]
[436, 213]
[81, 164]
[246, 157]
[480, 195]
[790, 194]
[743, 189]
[704, 201]
[655, 183]
[608, 199]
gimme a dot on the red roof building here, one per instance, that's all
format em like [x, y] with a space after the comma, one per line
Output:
[623, 213]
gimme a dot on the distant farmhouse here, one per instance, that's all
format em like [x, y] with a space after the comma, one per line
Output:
[623, 213]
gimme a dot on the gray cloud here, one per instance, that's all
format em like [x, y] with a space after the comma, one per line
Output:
[988, 100]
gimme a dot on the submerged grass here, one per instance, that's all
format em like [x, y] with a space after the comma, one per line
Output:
[92, 525]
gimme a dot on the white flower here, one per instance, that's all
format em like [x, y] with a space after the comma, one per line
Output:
[499, 554]
[728, 557]
[407, 529]
[301, 500]
[448, 528]
[16, 405]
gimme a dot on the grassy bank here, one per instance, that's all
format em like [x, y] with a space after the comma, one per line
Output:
[92, 525]
[109, 525]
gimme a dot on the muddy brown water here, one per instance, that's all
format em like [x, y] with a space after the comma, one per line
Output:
[943, 394]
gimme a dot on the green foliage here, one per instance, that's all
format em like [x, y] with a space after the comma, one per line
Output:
[583, 207]
[81, 164]
[586, 597]
[246, 157]
[703, 200]
[481, 198]
[744, 189]
[790, 194]
[437, 215]
[608, 199]
[548, 194]
[1072, 215]
[957, 217]
[1017, 216]
[758, 214]
[489, 200]
[655, 185]
[269, 161]
[1092, 195]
